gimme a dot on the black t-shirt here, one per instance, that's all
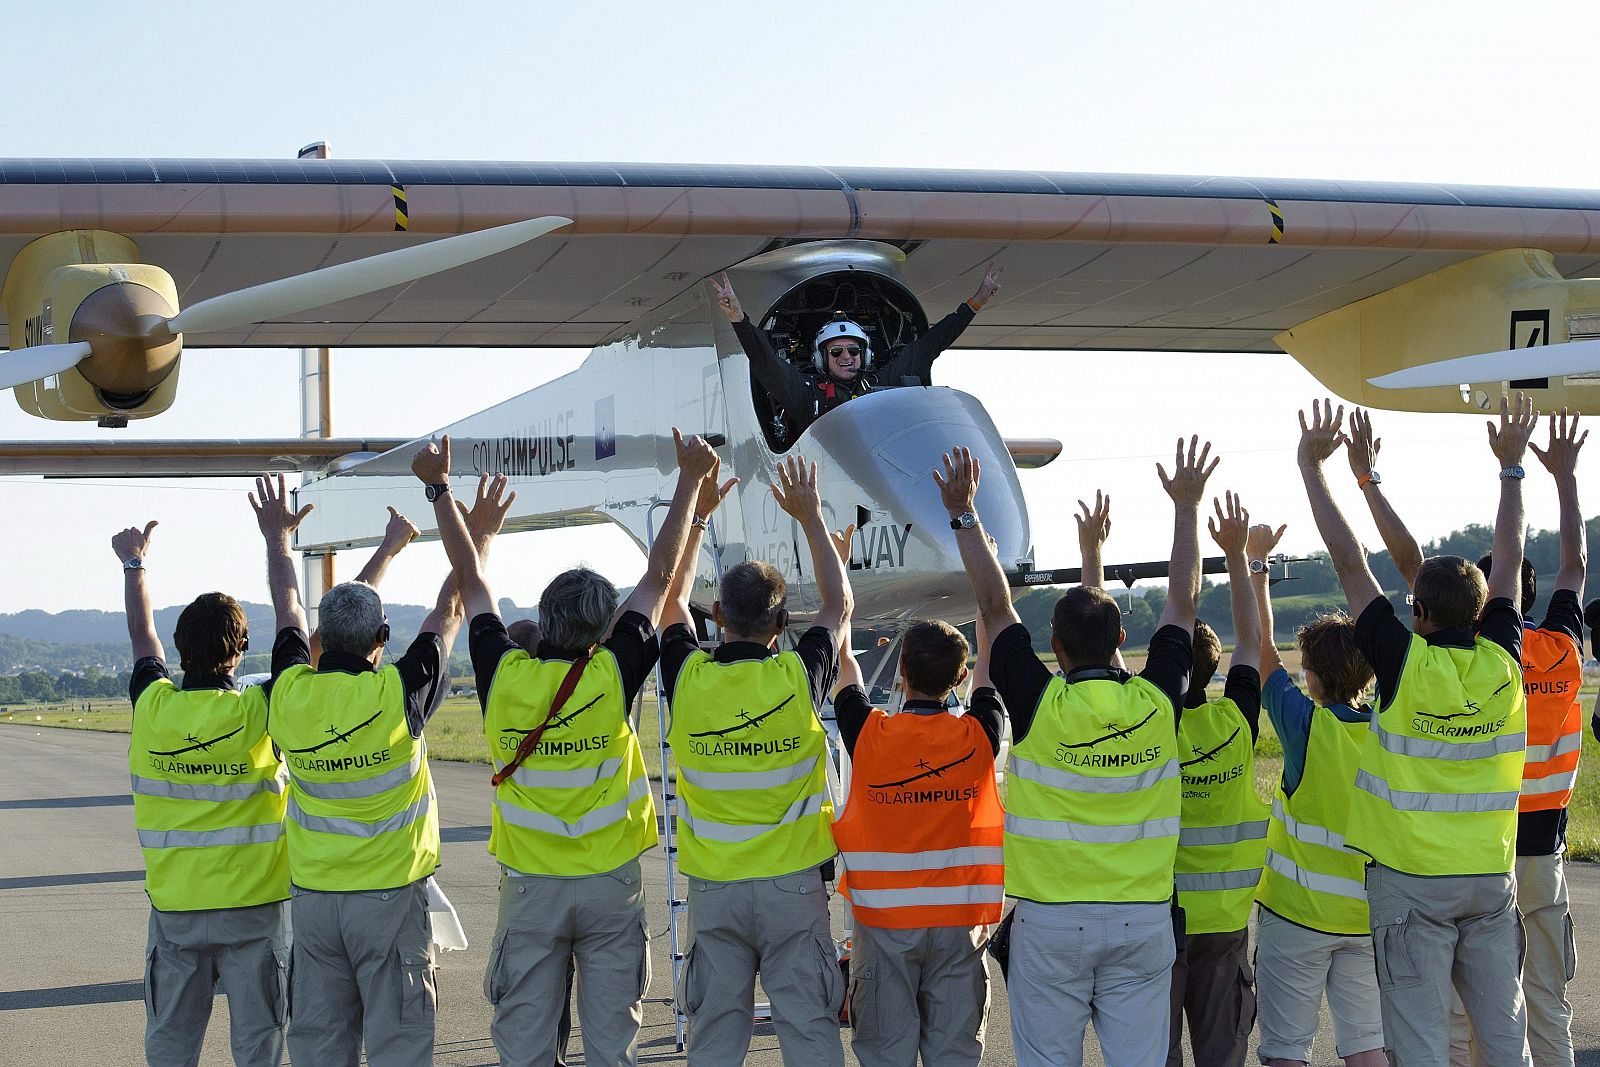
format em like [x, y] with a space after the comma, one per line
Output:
[1022, 679]
[815, 649]
[1384, 640]
[424, 671]
[1243, 687]
[152, 669]
[632, 643]
[852, 708]
[1540, 833]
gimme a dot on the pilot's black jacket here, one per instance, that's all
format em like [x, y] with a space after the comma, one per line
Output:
[803, 395]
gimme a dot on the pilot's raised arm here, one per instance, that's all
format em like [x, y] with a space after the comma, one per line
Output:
[915, 360]
[790, 389]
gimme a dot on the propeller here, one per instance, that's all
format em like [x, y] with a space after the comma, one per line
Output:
[286, 296]
[1540, 361]
[30, 364]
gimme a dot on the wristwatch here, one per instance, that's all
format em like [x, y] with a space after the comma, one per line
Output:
[133, 563]
[435, 490]
[1369, 478]
[964, 521]
[1258, 566]
[1514, 472]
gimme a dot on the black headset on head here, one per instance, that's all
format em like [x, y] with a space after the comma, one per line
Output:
[383, 633]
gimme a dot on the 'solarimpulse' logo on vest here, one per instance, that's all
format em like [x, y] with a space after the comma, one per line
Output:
[1438, 724]
[167, 761]
[511, 737]
[306, 759]
[894, 793]
[718, 742]
[1197, 780]
[1077, 754]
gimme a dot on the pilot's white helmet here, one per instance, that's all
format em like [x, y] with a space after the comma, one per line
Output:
[840, 328]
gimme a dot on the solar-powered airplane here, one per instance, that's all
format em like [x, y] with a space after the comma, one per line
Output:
[1421, 298]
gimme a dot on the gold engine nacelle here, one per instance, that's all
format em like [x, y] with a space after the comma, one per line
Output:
[88, 285]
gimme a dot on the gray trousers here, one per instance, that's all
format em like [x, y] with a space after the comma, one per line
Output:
[1213, 984]
[919, 990]
[1434, 934]
[189, 954]
[1074, 962]
[545, 924]
[779, 927]
[363, 974]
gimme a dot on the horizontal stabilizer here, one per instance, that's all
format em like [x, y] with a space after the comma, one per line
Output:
[1031, 453]
[184, 458]
[1126, 573]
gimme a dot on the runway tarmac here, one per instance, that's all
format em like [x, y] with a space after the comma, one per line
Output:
[73, 921]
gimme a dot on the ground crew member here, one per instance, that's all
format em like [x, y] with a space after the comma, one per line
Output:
[1093, 794]
[921, 837]
[842, 357]
[1222, 843]
[363, 828]
[753, 827]
[1552, 670]
[1436, 788]
[572, 804]
[208, 802]
[1312, 930]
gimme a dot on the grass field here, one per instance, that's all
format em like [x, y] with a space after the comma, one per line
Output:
[456, 734]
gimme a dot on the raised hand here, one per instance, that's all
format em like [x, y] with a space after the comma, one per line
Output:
[133, 543]
[1560, 456]
[1187, 484]
[696, 458]
[842, 540]
[1321, 438]
[1509, 440]
[489, 508]
[958, 487]
[989, 286]
[727, 299]
[1094, 524]
[431, 464]
[1360, 447]
[1261, 540]
[796, 488]
[271, 504]
[399, 532]
[1229, 529]
[711, 494]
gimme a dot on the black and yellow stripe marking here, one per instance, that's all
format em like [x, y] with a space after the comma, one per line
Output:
[402, 215]
[1277, 222]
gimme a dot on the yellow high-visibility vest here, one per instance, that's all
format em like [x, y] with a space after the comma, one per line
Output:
[1092, 805]
[1441, 771]
[1223, 840]
[208, 799]
[361, 807]
[580, 803]
[752, 782]
[1311, 878]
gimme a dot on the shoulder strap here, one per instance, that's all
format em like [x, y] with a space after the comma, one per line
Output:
[568, 685]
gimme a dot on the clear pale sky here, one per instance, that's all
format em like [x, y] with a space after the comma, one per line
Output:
[1450, 92]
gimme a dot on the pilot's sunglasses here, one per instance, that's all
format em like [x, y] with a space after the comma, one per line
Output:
[845, 350]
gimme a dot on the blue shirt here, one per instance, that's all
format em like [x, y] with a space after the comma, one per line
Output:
[1291, 712]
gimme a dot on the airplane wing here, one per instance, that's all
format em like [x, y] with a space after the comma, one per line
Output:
[1092, 261]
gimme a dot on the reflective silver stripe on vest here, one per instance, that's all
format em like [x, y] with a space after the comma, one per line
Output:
[1559, 782]
[231, 835]
[1331, 884]
[1444, 803]
[592, 822]
[356, 827]
[1307, 832]
[160, 787]
[366, 787]
[1051, 830]
[1401, 745]
[1056, 778]
[932, 860]
[578, 778]
[1222, 835]
[1565, 744]
[724, 781]
[736, 833]
[922, 896]
[1218, 881]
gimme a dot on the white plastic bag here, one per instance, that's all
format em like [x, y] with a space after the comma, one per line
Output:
[447, 932]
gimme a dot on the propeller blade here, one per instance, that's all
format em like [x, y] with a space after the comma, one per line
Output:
[1540, 361]
[23, 365]
[330, 285]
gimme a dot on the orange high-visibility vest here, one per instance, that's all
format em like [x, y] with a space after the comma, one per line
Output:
[1552, 674]
[923, 833]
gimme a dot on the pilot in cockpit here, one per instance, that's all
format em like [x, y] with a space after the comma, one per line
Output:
[842, 364]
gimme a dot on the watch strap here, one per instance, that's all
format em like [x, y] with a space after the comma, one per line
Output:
[1369, 478]
[1514, 472]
